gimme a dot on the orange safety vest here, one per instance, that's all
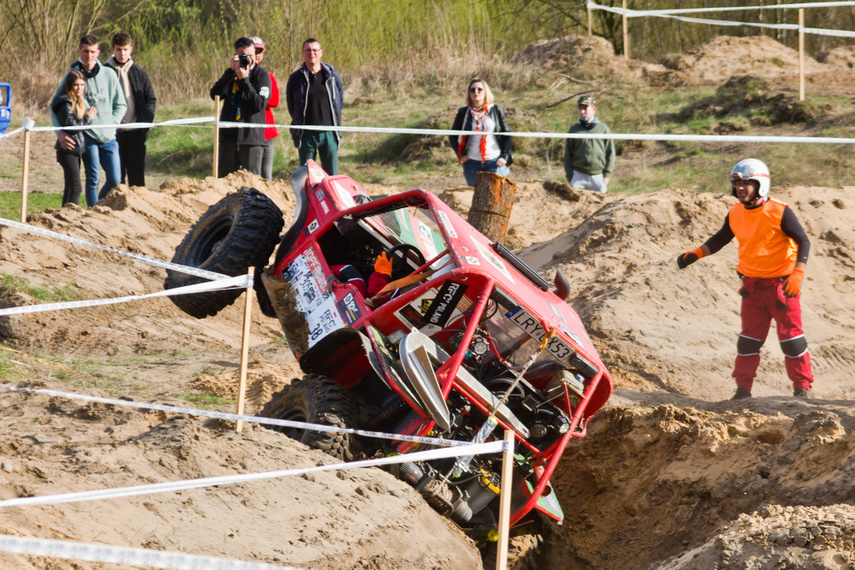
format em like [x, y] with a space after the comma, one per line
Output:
[764, 249]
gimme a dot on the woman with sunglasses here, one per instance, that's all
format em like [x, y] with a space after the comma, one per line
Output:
[489, 152]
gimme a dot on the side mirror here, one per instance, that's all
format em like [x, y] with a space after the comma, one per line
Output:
[562, 285]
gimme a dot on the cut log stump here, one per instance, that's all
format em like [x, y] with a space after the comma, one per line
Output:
[492, 203]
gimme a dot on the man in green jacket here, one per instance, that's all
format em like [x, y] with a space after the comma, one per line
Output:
[104, 92]
[588, 163]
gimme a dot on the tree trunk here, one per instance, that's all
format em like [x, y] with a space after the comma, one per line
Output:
[492, 202]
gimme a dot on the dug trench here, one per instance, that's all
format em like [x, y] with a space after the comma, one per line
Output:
[671, 474]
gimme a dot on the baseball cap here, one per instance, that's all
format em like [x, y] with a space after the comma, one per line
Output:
[257, 42]
[586, 100]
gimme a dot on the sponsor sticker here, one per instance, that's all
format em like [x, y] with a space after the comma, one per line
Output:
[313, 225]
[447, 223]
[348, 308]
[447, 298]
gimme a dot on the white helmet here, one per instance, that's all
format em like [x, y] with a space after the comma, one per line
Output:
[752, 169]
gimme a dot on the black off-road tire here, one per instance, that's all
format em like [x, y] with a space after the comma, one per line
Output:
[524, 552]
[238, 232]
[319, 400]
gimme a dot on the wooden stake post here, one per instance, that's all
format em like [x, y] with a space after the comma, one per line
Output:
[590, 22]
[505, 502]
[27, 124]
[625, 31]
[801, 54]
[244, 354]
[492, 202]
[217, 136]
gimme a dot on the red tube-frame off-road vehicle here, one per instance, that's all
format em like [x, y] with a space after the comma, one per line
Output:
[470, 338]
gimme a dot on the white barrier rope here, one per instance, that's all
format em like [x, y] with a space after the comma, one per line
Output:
[139, 257]
[239, 282]
[521, 134]
[125, 555]
[234, 417]
[671, 14]
[732, 9]
[499, 446]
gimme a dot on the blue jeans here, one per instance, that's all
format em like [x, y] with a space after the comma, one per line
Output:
[100, 155]
[473, 167]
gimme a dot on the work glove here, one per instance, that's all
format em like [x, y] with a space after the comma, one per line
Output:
[686, 259]
[383, 264]
[793, 283]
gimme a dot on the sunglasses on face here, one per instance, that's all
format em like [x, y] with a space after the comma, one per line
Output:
[475, 89]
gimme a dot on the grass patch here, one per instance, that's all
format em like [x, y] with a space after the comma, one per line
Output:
[207, 400]
[10, 203]
[50, 293]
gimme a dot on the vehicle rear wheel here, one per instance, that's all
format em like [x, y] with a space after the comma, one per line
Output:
[524, 552]
[317, 399]
[238, 232]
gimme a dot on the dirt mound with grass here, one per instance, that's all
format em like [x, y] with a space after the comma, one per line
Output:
[722, 57]
[672, 472]
[563, 55]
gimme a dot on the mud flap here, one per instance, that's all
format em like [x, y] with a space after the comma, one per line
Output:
[547, 503]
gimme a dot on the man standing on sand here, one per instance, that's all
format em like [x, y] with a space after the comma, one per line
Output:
[314, 94]
[588, 163]
[103, 92]
[773, 253]
[141, 106]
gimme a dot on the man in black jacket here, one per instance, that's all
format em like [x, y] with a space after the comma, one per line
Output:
[141, 106]
[244, 88]
[314, 94]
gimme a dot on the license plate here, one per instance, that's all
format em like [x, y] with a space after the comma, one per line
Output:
[556, 347]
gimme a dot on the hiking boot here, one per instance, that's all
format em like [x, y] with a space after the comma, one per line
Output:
[802, 392]
[741, 393]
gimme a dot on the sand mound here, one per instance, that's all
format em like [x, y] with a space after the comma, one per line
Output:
[626, 285]
[666, 480]
[724, 56]
[652, 482]
[567, 53]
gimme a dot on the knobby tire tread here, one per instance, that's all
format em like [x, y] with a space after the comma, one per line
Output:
[253, 222]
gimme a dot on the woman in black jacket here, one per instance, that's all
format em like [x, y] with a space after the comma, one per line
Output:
[71, 111]
[488, 152]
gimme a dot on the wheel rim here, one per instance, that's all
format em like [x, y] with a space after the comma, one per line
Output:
[213, 237]
[293, 415]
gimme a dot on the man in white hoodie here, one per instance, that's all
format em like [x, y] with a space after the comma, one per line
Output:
[103, 92]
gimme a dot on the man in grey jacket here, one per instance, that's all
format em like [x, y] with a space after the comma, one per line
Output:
[103, 92]
[588, 163]
[314, 94]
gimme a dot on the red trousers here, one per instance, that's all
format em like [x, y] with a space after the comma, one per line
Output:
[764, 300]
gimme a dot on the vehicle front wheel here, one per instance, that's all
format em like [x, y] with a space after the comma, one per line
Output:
[238, 232]
[317, 399]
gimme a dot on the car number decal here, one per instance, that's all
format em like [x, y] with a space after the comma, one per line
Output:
[532, 327]
[323, 320]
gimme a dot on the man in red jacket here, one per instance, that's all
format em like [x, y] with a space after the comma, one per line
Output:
[270, 133]
[773, 252]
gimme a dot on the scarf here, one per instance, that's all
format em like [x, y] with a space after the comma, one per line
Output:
[586, 123]
[479, 118]
[122, 71]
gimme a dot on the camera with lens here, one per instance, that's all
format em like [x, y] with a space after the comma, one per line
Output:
[244, 60]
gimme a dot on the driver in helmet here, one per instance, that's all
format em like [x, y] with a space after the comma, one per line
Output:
[773, 252]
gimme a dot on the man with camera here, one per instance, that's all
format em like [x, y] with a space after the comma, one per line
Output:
[244, 89]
